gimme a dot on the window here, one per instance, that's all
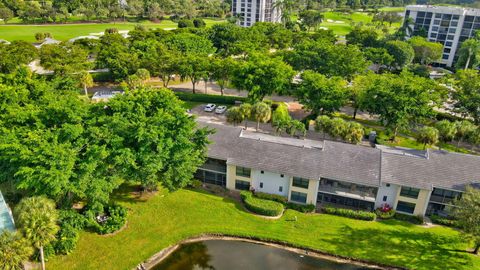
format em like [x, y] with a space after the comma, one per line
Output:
[388, 185]
[298, 197]
[384, 198]
[300, 182]
[242, 171]
[409, 192]
[406, 207]
[242, 185]
[261, 184]
[280, 189]
[281, 175]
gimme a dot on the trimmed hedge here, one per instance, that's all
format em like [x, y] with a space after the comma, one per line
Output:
[261, 206]
[355, 214]
[444, 221]
[271, 197]
[209, 98]
[412, 219]
[304, 208]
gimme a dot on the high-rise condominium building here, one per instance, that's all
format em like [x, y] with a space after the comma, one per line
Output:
[449, 26]
[249, 12]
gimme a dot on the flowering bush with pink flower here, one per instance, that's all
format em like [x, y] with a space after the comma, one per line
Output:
[385, 211]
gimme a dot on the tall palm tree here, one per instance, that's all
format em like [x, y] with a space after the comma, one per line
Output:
[86, 81]
[246, 110]
[261, 112]
[285, 7]
[470, 47]
[37, 219]
[14, 250]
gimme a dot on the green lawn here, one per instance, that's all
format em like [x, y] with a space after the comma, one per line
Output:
[67, 31]
[341, 23]
[167, 218]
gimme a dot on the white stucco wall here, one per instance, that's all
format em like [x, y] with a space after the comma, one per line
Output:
[271, 182]
[391, 193]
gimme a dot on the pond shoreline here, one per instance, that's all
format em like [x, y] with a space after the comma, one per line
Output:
[164, 253]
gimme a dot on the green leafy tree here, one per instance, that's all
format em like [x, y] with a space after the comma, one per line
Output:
[6, 14]
[467, 94]
[323, 124]
[427, 135]
[310, 18]
[262, 76]
[246, 111]
[193, 67]
[161, 62]
[446, 130]
[321, 94]
[379, 56]
[115, 54]
[362, 37]
[37, 219]
[235, 116]
[467, 214]
[401, 51]
[64, 58]
[151, 138]
[14, 250]
[426, 52]
[474, 137]
[16, 54]
[222, 71]
[399, 100]
[261, 112]
[188, 43]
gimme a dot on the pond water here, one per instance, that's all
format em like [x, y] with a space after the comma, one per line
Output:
[239, 255]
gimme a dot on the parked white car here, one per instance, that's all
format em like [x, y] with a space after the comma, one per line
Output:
[209, 107]
[220, 109]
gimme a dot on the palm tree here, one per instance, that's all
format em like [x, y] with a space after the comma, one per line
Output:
[37, 219]
[427, 135]
[463, 129]
[14, 250]
[261, 112]
[285, 7]
[86, 81]
[323, 124]
[470, 49]
[246, 111]
[354, 133]
[234, 116]
[446, 130]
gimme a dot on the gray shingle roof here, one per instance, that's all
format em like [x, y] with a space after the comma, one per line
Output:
[441, 169]
[344, 162]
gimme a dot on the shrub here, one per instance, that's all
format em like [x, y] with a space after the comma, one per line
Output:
[271, 197]
[385, 211]
[195, 183]
[444, 221]
[356, 214]
[304, 208]
[261, 206]
[199, 23]
[72, 218]
[116, 216]
[208, 98]
[185, 23]
[67, 239]
[409, 218]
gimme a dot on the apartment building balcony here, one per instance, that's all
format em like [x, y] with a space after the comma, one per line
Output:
[348, 190]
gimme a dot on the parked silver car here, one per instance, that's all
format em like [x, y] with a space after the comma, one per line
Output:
[220, 109]
[209, 107]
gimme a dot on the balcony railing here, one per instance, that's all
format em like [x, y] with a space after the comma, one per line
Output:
[346, 192]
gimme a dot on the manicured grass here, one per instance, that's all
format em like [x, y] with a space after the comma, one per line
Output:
[342, 22]
[65, 32]
[167, 218]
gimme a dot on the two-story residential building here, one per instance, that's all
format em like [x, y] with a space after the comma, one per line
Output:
[334, 173]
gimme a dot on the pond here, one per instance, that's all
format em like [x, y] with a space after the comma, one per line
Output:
[239, 255]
